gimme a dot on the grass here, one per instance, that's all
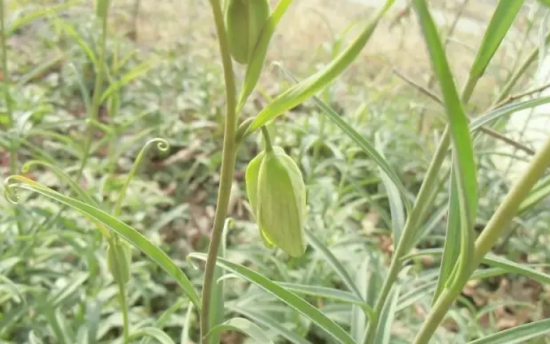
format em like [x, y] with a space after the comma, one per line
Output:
[379, 229]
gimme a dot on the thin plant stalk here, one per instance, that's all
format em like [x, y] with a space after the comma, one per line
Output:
[7, 98]
[501, 218]
[114, 240]
[93, 112]
[227, 168]
[124, 307]
[135, 16]
[6, 81]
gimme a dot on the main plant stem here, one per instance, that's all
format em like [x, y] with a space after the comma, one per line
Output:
[227, 169]
[6, 80]
[504, 214]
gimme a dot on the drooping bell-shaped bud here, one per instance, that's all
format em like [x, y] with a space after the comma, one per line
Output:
[245, 20]
[277, 195]
[119, 259]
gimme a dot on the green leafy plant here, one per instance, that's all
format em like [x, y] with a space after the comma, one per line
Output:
[324, 300]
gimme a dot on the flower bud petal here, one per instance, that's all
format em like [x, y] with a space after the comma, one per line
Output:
[245, 20]
[277, 195]
[119, 259]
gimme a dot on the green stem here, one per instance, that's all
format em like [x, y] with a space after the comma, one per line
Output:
[5, 70]
[469, 88]
[114, 243]
[227, 169]
[267, 139]
[6, 81]
[93, 112]
[124, 308]
[501, 218]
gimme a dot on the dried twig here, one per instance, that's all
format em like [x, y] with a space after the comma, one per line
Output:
[513, 97]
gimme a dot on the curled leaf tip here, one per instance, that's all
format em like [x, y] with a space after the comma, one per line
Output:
[9, 190]
[226, 277]
[29, 164]
[162, 144]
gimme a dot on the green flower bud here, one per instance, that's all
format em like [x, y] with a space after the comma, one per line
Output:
[119, 259]
[245, 20]
[277, 195]
[102, 6]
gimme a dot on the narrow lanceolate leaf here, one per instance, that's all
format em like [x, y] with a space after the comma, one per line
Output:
[334, 263]
[244, 326]
[451, 250]
[396, 205]
[255, 65]
[79, 191]
[513, 267]
[368, 281]
[315, 83]
[184, 338]
[371, 151]
[462, 144]
[273, 324]
[493, 115]
[504, 265]
[133, 236]
[80, 41]
[152, 332]
[539, 192]
[216, 298]
[43, 12]
[135, 73]
[162, 145]
[327, 293]
[500, 23]
[291, 299]
[383, 333]
[93, 318]
[519, 334]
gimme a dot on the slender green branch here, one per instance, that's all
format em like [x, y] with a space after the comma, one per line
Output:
[5, 71]
[501, 218]
[93, 112]
[124, 307]
[227, 168]
[267, 139]
[469, 89]
[6, 82]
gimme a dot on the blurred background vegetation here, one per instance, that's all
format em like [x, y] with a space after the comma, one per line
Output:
[163, 60]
